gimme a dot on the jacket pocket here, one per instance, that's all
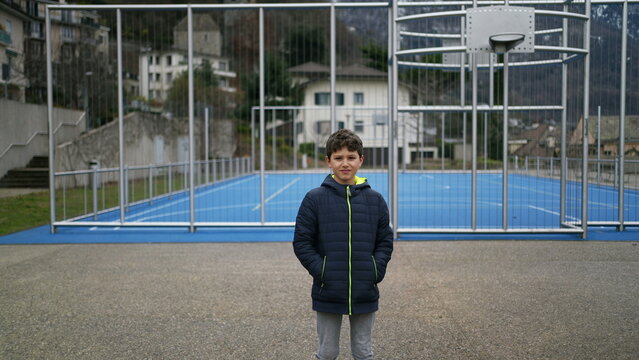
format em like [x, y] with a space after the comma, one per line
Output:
[375, 269]
[322, 274]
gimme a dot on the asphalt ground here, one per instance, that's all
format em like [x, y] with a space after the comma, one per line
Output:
[440, 300]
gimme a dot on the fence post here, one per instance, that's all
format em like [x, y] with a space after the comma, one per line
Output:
[223, 169]
[126, 188]
[151, 185]
[94, 187]
[170, 181]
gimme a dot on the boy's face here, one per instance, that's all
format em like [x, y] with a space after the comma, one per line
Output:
[345, 164]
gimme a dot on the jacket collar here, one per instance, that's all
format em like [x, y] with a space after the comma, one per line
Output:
[360, 183]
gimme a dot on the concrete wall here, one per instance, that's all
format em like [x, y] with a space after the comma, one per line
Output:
[149, 138]
[24, 131]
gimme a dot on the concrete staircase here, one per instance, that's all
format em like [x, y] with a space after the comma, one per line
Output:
[35, 175]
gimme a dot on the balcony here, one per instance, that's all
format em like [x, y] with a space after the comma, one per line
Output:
[5, 38]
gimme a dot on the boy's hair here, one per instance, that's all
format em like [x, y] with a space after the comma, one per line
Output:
[344, 138]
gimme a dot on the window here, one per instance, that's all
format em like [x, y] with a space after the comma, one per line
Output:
[67, 53]
[324, 98]
[359, 126]
[168, 60]
[8, 27]
[66, 15]
[299, 127]
[324, 126]
[157, 77]
[6, 72]
[32, 8]
[157, 60]
[36, 29]
[222, 65]
[224, 83]
[67, 33]
[358, 98]
[169, 77]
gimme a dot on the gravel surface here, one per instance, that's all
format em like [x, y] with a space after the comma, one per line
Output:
[440, 300]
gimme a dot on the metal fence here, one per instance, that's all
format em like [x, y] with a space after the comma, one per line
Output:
[259, 87]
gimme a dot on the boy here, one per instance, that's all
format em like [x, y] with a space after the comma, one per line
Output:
[344, 240]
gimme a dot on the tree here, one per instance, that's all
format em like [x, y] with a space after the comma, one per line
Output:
[279, 89]
[305, 43]
[205, 90]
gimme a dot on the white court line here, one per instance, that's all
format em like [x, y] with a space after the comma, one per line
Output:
[174, 202]
[551, 212]
[278, 192]
[175, 213]
[427, 176]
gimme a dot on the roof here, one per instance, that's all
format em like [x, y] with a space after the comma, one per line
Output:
[355, 70]
[201, 22]
[608, 128]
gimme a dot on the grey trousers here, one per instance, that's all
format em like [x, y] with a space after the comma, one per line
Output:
[328, 330]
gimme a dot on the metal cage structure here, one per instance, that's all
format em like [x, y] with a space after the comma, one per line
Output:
[432, 48]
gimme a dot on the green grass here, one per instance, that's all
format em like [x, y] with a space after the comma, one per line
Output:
[23, 212]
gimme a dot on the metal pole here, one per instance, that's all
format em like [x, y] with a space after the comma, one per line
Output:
[584, 174]
[504, 214]
[462, 86]
[491, 81]
[50, 122]
[485, 141]
[252, 139]
[295, 144]
[563, 173]
[122, 191]
[333, 69]
[392, 107]
[622, 114]
[126, 188]
[94, 188]
[599, 144]
[474, 146]
[404, 145]
[443, 138]
[206, 145]
[170, 180]
[150, 184]
[273, 140]
[191, 121]
[262, 130]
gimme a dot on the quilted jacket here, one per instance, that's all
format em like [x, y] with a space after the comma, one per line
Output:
[344, 240]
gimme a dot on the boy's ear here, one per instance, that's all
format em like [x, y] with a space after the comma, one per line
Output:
[327, 159]
[361, 158]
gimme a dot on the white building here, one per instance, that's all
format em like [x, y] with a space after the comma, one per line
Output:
[361, 99]
[158, 69]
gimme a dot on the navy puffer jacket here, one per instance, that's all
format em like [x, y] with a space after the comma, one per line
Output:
[344, 240]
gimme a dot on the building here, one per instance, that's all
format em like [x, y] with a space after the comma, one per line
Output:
[76, 37]
[361, 99]
[13, 22]
[159, 68]
[541, 140]
[604, 133]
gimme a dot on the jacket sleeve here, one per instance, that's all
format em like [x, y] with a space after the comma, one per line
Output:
[305, 238]
[384, 241]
